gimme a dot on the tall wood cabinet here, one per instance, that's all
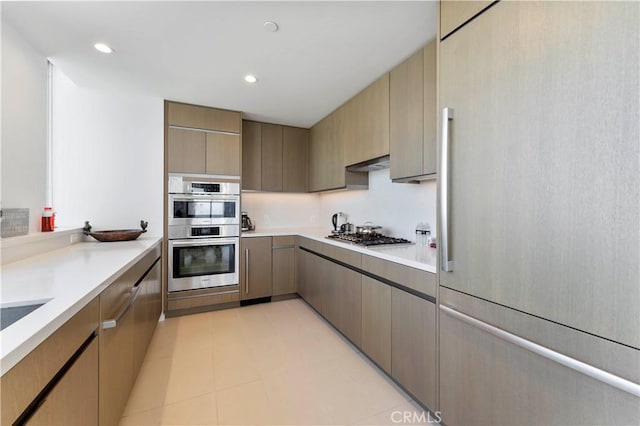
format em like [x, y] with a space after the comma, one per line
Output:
[202, 140]
[274, 157]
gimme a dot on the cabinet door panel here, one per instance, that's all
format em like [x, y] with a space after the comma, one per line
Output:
[251, 155]
[430, 108]
[485, 380]
[74, 399]
[406, 116]
[511, 75]
[186, 151]
[413, 343]
[295, 159]
[376, 322]
[255, 274]
[372, 121]
[200, 117]
[283, 271]
[454, 13]
[223, 154]
[271, 157]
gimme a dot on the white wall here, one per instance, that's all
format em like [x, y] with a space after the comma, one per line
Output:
[107, 158]
[24, 125]
[275, 210]
[398, 207]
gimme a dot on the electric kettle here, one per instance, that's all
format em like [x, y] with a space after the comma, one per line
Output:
[338, 220]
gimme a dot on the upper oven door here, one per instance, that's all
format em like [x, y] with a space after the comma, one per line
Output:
[203, 210]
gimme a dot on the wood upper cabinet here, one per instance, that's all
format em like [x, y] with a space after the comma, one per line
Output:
[223, 154]
[413, 116]
[274, 157]
[202, 140]
[295, 159]
[454, 13]
[271, 157]
[204, 118]
[326, 165]
[251, 155]
[368, 113]
[255, 267]
[186, 151]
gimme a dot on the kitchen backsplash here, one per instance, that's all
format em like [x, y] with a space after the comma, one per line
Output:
[278, 210]
[398, 207]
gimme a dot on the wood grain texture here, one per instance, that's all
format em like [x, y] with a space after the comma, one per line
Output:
[454, 13]
[283, 241]
[205, 300]
[430, 109]
[223, 154]
[546, 123]
[186, 151]
[271, 157]
[417, 279]
[74, 400]
[485, 380]
[200, 117]
[372, 121]
[295, 159]
[376, 322]
[251, 155]
[413, 345]
[22, 383]
[283, 273]
[258, 282]
[406, 115]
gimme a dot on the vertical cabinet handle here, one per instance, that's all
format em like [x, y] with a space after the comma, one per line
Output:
[446, 264]
[246, 271]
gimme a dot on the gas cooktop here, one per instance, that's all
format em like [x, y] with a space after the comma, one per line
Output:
[367, 240]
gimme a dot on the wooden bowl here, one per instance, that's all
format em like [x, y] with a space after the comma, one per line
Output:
[116, 234]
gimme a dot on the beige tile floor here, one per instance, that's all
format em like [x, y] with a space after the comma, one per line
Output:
[277, 363]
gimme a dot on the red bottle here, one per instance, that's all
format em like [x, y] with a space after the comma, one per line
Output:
[48, 220]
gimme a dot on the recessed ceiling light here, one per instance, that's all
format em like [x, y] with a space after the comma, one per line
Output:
[250, 78]
[271, 26]
[103, 48]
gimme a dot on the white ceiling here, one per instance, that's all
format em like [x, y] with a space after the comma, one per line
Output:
[198, 52]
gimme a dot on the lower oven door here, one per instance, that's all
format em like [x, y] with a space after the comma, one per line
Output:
[203, 263]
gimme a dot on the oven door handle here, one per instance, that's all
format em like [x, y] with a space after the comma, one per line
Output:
[203, 197]
[203, 242]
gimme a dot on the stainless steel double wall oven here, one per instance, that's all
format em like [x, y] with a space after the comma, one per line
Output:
[203, 231]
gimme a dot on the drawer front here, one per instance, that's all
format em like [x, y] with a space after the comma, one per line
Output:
[416, 279]
[343, 255]
[284, 241]
[25, 380]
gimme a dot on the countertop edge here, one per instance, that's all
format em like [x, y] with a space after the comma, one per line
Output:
[22, 349]
[319, 234]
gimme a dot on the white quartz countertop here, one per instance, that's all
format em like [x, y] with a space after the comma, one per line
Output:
[423, 258]
[68, 279]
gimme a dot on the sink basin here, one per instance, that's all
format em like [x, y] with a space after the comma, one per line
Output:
[11, 314]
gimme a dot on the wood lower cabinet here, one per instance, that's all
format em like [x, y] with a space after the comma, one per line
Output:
[283, 265]
[376, 322]
[130, 308]
[74, 399]
[255, 268]
[413, 343]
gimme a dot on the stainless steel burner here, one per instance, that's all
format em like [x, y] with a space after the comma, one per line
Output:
[368, 240]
